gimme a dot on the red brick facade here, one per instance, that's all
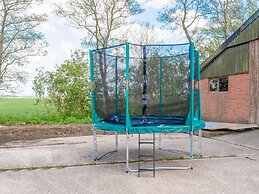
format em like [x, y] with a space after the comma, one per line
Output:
[232, 106]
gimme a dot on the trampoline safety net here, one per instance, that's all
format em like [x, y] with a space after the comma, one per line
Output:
[158, 85]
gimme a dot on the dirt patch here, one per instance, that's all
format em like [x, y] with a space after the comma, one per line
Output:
[32, 132]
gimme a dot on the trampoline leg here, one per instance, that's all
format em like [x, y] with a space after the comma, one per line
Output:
[160, 141]
[95, 145]
[116, 142]
[96, 155]
[127, 152]
[199, 143]
[127, 156]
[191, 148]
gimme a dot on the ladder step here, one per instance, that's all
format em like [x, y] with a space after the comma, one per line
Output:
[146, 142]
[146, 169]
[146, 156]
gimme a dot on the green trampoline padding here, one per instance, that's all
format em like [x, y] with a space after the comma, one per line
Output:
[197, 125]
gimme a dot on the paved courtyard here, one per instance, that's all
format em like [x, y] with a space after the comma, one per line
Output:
[230, 164]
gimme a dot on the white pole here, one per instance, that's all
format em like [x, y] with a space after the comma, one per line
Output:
[160, 141]
[127, 151]
[95, 145]
[116, 142]
[200, 143]
[191, 145]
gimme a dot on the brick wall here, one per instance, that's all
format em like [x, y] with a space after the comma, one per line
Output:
[232, 106]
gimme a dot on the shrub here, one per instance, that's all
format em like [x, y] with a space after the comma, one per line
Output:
[65, 88]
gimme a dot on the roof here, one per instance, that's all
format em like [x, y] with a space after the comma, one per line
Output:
[235, 39]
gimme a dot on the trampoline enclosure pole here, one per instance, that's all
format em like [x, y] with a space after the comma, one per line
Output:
[197, 57]
[127, 107]
[161, 84]
[192, 84]
[161, 94]
[127, 87]
[198, 81]
[144, 92]
[116, 86]
[92, 80]
[93, 106]
[191, 99]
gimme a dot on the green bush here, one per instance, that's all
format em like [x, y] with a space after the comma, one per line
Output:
[65, 89]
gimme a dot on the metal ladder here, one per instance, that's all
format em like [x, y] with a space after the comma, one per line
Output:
[153, 156]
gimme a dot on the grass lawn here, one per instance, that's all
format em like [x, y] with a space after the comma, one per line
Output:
[25, 111]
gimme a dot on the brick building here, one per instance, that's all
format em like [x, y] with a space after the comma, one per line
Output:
[230, 77]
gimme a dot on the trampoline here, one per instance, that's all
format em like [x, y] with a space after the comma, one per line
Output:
[140, 89]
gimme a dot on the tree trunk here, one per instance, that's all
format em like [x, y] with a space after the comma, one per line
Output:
[2, 45]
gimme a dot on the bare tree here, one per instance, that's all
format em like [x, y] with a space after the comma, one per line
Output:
[186, 16]
[251, 6]
[208, 23]
[19, 40]
[143, 33]
[226, 17]
[100, 18]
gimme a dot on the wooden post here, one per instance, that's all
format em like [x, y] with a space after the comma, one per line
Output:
[254, 81]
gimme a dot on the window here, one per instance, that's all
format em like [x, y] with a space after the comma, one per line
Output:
[213, 85]
[223, 84]
[218, 84]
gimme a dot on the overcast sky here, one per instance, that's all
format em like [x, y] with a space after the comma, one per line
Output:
[63, 39]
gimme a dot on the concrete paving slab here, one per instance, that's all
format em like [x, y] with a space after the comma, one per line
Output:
[249, 138]
[222, 175]
[77, 150]
[233, 168]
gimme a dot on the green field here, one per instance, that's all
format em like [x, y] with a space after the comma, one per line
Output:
[26, 111]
